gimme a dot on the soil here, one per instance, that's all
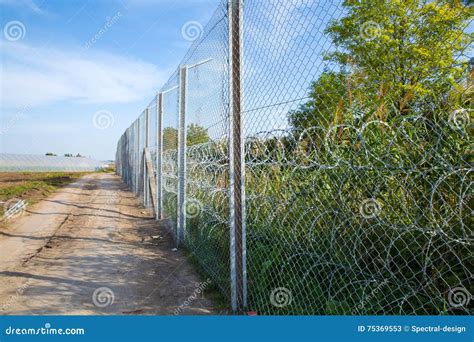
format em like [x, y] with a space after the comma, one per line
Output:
[93, 249]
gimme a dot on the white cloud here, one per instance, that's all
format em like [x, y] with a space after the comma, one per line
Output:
[40, 76]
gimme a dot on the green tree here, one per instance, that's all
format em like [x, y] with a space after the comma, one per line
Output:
[401, 57]
[170, 138]
[326, 94]
[196, 135]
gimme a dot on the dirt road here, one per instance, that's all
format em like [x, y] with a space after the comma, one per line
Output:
[92, 249]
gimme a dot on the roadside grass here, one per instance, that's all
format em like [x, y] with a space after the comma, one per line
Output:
[212, 291]
[33, 186]
[107, 170]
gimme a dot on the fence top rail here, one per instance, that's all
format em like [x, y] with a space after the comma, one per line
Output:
[170, 89]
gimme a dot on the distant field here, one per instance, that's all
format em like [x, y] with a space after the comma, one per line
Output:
[33, 186]
[41, 163]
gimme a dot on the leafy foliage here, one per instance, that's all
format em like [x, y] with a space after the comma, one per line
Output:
[196, 135]
[398, 57]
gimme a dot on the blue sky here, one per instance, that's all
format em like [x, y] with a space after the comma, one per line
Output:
[65, 63]
[56, 75]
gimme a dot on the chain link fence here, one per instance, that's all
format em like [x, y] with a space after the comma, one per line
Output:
[315, 157]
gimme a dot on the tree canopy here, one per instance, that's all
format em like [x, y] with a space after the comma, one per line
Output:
[392, 58]
[195, 135]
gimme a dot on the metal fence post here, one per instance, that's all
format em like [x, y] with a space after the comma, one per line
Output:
[146, 183]
[127, 161]
[159, 155]
[140, 155]
[137, 158]
[129, 164]
[181, 218]
[236, 161]
[132, 156]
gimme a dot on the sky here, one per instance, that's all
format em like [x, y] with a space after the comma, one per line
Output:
[75, 74]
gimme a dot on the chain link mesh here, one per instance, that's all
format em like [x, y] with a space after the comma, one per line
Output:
[358, 151]
[207, 205]
[170, 151]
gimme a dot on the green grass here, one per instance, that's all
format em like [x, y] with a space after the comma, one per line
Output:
[107, 170]
[221, 303]
[34, 186]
